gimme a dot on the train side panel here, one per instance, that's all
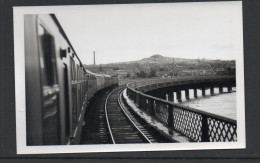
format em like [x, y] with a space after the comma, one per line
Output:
[34, 130]
[108, 81]
[57, 85]
[45, 36]
[55, 127]
[100, 82]
[115, 80]
[92, 86]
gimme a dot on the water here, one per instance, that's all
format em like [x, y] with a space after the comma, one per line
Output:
[221, 104]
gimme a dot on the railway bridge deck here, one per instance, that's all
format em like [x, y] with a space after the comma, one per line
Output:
[160, 119]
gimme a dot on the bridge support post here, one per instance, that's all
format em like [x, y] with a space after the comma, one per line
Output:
[229, 89]
[170, 94]
[179, 95]
[203, 91]
[220, 89]
[170, 97]
[164, 94]
[170, 116]
[212, 90]
[205, 129]
[187, 94]
[195, 93]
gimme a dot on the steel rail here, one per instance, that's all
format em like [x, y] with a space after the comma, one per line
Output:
[124, 112]
[136, 127]
[108, 125]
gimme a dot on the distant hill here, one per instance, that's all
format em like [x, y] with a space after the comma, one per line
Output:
[159, 59]
[166, 65]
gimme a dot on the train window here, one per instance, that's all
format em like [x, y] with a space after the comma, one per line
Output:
[66, 100]
[72, 71]
[50, 101]
[48, 60]
[78, 73]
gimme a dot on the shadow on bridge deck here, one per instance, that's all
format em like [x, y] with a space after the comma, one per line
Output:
[166, 131]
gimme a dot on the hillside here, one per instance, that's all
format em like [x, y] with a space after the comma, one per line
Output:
[161, 59]
[158, 65]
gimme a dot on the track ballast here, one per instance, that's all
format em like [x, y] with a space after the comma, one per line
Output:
[112, 122]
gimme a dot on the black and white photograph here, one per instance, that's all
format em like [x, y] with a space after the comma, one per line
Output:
[129, 77]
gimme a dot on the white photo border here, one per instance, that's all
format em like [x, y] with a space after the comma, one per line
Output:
[22, 148]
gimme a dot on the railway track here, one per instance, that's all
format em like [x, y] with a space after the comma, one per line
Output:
[95, 128]
[110, 121]
[124, 127]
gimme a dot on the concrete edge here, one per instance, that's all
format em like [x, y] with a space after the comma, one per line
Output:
[158, 126]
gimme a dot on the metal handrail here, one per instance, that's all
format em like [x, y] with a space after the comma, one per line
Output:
[205, 116]
[212, 115]
[157, 81]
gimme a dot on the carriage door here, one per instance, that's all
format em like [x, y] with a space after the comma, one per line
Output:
[50, 88]
[66, 101]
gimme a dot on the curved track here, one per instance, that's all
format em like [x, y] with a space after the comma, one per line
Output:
[122, 125]
[109, 120]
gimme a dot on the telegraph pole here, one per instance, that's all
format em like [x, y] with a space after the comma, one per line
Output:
[94, 58]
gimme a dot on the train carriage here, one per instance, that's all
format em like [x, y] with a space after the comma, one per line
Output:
[57, 85]
[108, 80]
[115, 80]
[55, 79]
[91, 84]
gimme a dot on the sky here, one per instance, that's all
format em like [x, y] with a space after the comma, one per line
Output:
[119, 33]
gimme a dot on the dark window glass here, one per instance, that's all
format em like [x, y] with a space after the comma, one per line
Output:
[48, 57]
[50, 101]
[66, 99]
[72, 68]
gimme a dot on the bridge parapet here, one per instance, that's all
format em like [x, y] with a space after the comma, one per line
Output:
[150, 84]
[198, 125]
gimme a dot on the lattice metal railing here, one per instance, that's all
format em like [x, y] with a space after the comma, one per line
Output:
[198, 125]
[188, 123]
[221, 131]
